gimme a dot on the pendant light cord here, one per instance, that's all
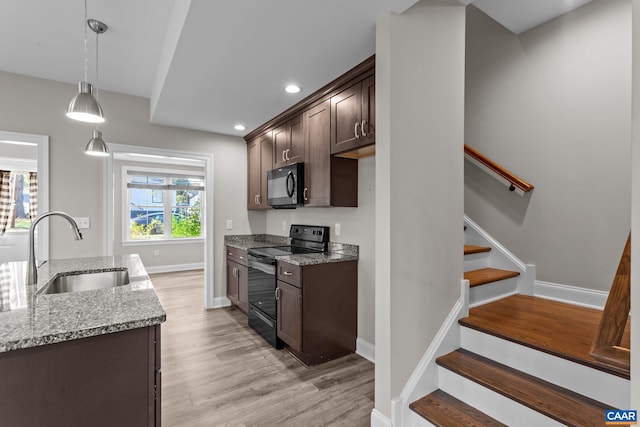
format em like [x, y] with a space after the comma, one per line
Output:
[86, 58]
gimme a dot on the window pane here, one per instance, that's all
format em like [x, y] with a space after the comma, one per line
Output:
[145, 179]
[147, 223]
[187, 181]
[186, 221]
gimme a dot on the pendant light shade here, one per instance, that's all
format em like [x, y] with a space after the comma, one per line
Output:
[84, 107]
[97, 146]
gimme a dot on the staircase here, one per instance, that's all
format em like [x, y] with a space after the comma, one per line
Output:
[523, 361]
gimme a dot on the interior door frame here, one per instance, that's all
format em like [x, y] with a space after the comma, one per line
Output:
[42, 142]
[108, 203]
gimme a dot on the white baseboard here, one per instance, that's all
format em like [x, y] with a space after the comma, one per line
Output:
[366, 350]
[176, 267]
[219, 302]
[571, 294]
[379, 420]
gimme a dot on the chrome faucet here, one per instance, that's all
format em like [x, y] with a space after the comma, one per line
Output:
[32, 269]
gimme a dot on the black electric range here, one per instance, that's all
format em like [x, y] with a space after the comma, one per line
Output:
[262, 286]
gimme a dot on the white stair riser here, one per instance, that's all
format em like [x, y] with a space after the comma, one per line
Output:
[476, 261]
[598, 385]
[492, 291]
[495, 405]
[416, 420]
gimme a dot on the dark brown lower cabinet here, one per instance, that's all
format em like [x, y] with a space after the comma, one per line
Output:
[317, 308]
[290, 315]
[102, 381]
[238, 279]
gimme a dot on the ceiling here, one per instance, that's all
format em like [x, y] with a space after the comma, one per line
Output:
[209, 65]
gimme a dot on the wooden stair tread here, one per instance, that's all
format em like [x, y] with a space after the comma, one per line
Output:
[487, 275]
[472, 249]
[563, 330]
[560, 404]
[443, 410]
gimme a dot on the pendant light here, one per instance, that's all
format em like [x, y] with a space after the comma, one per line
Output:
[84, 107]
[96, 145]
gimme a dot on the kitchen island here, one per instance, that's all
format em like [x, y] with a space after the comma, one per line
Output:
[79, 358]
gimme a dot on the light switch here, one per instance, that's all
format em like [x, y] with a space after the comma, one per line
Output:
[229, 224]
[337, 229]
[82, 222]
[284, 225]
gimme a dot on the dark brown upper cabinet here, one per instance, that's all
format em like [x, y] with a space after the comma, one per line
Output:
[288, 143]
[328, 131]
[317, 161]
[353, 117]
[259, 162]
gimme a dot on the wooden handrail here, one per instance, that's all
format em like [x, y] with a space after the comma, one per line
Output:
[515, 180]
[606, 345]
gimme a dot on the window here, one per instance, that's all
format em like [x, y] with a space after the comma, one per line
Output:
[162, 205]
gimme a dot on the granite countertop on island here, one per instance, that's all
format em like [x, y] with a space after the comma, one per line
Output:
[338, 252]
[29, 319]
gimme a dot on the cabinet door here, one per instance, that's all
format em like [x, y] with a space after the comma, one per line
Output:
[368, 124]
[281, 143]
[253, 174]
[317, 167]
[243, 287]
[232, 281]
[266, 163]
[290, 315]
[346, 116]
[297, 142]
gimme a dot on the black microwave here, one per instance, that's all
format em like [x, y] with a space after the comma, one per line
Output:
[285, 186]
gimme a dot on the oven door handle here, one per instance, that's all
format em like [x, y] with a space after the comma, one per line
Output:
[290, 188]
[262, 317]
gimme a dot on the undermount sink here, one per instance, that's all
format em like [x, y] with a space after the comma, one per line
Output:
[87, 281]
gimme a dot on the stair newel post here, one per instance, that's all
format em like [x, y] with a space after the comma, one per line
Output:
[606, 345]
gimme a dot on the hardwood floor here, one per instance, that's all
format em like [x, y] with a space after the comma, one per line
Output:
[217, 372]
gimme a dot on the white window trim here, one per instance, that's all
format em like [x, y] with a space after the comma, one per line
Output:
[126, 232]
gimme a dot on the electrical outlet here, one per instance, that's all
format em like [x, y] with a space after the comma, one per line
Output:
[337, 229]
[229, 224]
[156, 252]
[82, 222]
[284, 225]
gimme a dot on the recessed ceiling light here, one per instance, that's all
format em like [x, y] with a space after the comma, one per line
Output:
[292, 89]
[239, 127]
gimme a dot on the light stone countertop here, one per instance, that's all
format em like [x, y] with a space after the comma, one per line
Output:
[338, 252]
[30, 320]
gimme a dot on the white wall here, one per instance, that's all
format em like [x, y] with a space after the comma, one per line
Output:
[553, 106]
[357, 228]
[37, 106]
[419, 181]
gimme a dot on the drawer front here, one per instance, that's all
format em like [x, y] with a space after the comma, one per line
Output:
[290, 273]
[237, 255]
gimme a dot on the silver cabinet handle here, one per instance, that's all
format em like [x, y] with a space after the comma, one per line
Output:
[230, 253]
[241, 257]
[283, 153]
[364, 122]
[287, 273]
[277, 294]
[287, 151]
[258, 199]
[304, 193]
[355, 130]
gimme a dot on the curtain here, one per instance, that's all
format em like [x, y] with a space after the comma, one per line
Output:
[6, 204]
[33, 195]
